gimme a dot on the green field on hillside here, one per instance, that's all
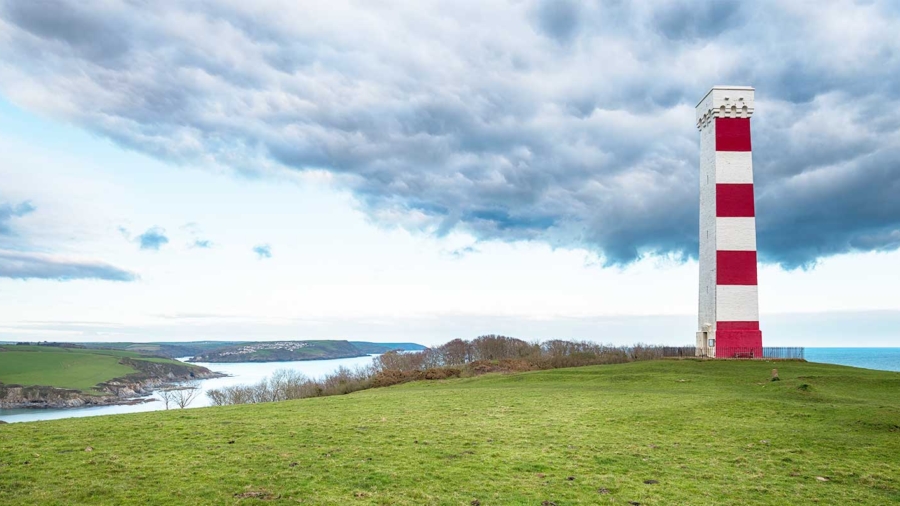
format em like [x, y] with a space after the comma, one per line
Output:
[166, 349]
[276, 351]
[74, 368]
[659, 432]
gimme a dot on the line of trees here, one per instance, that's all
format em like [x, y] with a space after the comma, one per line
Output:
[287, 384]
[457, 358]
[537, 355]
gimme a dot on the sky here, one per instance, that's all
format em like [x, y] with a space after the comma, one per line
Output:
[421, 171]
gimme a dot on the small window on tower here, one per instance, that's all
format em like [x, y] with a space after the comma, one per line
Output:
[712, 343]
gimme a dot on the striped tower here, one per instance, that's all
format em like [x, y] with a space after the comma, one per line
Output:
[729, 299]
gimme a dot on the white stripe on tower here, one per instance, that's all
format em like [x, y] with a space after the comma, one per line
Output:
[734, 167]
[736, 303]
[729, 298]
[736, 234]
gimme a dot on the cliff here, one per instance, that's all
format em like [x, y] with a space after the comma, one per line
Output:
[124, 390]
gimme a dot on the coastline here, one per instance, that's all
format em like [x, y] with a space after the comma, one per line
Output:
[124, 391]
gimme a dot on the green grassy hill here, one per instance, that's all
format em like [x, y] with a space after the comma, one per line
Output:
[661, 432]
[73, 368]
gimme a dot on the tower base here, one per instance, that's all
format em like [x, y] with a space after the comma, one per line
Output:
[738, 343]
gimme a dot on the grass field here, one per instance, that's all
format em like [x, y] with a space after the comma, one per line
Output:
[74, 368]
[661, 432]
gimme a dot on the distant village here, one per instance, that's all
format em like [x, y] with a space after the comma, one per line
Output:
[252, 348]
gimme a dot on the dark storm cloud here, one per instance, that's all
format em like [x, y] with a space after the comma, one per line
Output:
[24, 265]
[689, 19]
[154, 238]
[559, 18]
[565, 122]
[73, 25]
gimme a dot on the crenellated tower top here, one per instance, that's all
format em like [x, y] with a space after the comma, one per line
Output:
[725, 102]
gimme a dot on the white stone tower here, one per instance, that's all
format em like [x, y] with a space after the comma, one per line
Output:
[729, 299]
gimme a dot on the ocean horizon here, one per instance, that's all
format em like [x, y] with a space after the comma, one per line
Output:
[882, 359]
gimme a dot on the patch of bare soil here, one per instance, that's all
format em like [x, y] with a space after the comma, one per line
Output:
[262, 495]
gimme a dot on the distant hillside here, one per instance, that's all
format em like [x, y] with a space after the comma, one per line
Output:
[373, 348]
[169, 349]
[281, 351]
[262, 351]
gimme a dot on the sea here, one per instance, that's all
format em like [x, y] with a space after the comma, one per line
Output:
[885, 359]
[882, 359]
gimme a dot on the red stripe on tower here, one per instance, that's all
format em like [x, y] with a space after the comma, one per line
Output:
[736, 268]
[729, 307]
[735, 201]
[738, 326]
[733, 134]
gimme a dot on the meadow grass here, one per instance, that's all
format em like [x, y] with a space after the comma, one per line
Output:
[74, 368]
[656, 432]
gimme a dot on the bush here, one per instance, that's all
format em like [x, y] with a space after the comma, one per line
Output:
[440, 373]
[392, 377]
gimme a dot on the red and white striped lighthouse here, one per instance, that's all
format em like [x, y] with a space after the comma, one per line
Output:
[729, 299]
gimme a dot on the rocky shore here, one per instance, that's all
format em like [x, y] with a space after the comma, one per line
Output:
[132, 389]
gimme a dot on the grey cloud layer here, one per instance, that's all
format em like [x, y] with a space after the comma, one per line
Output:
[562, 121]
[24, 265]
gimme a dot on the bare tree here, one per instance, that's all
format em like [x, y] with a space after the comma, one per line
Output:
[400, 361]
[456, 352]
[217, 397]
[493, 347]
[180, 395]
[167, 396]
[186, 395]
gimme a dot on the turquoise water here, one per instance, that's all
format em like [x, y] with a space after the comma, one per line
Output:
[883, 359]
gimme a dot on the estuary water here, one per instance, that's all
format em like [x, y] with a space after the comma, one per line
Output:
[240, 373]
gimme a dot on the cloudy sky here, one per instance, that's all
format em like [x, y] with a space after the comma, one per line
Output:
[385, 170]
